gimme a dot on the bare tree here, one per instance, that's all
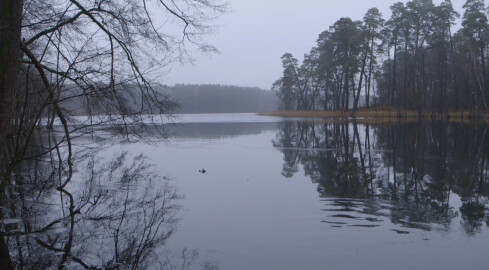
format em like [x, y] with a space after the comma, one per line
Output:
[119, 217]
[102, 55]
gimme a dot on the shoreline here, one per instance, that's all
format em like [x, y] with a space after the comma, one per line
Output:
[384, 115]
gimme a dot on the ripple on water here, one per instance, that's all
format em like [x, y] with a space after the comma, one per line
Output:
[351, 213]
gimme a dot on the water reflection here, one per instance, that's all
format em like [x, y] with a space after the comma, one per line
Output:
[113, 213]
[396, 183]
[404, 173]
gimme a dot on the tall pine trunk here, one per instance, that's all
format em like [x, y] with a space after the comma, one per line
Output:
[362, 72]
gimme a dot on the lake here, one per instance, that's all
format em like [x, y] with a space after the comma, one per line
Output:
[291, 194]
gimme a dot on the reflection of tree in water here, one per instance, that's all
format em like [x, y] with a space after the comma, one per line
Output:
[414, 167]
[111, 215]
[326, 153]
[287, 139]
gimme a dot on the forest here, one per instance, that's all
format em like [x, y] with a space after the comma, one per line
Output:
[220, 98]
[181, 98]
[413, 61]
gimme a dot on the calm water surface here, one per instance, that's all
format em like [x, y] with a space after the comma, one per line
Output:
[311, 195]
[285, 194]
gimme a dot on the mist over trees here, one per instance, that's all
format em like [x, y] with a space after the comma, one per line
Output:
[220, 99]
[410, 61]
[181, 98]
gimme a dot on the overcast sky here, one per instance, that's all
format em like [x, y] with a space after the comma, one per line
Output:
[256, 33]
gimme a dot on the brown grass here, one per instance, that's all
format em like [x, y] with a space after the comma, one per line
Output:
[384, 115]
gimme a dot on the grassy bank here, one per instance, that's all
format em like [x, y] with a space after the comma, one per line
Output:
[385, 115]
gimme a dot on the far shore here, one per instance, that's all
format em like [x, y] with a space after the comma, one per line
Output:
[385, 115]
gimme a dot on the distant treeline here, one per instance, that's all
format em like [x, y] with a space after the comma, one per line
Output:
[411, 60]
[214, 98]
[181, 98]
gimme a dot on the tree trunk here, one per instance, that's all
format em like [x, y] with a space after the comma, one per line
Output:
[10, 32]
[404, 90]
[346, 95]
[5, 262]
[394, 83]
[10, 20]
[369, 78]
[357, 96]
[454, 72]
[484, 79]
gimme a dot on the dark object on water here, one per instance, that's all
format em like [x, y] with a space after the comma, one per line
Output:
[400, 232]
[202, 171]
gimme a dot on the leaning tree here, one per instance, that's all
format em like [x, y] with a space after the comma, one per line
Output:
[102, 57]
